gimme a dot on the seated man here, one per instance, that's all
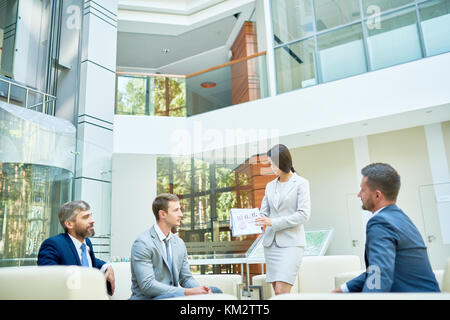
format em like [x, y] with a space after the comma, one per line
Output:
[396, 255]
[74, 247]
[159, 260]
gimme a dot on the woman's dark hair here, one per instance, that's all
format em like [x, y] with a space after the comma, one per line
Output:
[281, 157]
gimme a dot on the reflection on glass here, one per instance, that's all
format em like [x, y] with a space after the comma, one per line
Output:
[225, 201]
[131, 95]
[8, 19]
[372, 7]
[30, 196]
[397, 41]
[342, 53]
[167, 96]
[177, 97]
[185, 204]
[225, 177]
[333, 13]
[202, 176]
[435, 17]
[202, 212]
[292, 19]
[295, 66]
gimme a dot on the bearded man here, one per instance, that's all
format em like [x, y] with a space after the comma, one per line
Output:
[73, 247]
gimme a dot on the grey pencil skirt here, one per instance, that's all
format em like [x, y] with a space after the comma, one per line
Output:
[282, 263]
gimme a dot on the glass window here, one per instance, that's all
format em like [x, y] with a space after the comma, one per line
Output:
[177, 97]
[396, 41]
[292, 19]
[342, 53]
[435, 17]
[202, 212]
[225, 201]
[225, 177]
[373, 7]
[295, 65]
[201, 178]
[185, 205]
[131, 95]
[8, 23]
[333, 13]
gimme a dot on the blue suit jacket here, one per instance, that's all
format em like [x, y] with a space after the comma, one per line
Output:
[60, 250]
[396, 256]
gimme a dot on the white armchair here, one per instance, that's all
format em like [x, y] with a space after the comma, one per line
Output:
[316, 274]
[230, 284]
[52, 283]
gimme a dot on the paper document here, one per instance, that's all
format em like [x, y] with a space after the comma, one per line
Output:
[243, 221]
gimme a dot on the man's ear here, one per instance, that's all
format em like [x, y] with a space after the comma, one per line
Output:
[68, 224]
[379, 194]
[161, 213]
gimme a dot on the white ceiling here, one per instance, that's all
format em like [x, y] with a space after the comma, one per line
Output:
[197, 33]
[140, 50]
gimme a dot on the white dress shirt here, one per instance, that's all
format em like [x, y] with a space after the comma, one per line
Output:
[78, 244]
[344, 287]
[162, 237]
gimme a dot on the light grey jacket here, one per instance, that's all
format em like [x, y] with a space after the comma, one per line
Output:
[150, 273]
[288, 217]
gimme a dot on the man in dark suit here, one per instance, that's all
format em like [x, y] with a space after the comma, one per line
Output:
[396, 256]
[74, 247]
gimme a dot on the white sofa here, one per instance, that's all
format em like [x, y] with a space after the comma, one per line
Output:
[52, 283]
[230, 284]
[442, 277]
[363, 296]
[316, 274]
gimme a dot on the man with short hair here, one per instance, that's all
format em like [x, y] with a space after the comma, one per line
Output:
[73, 247]
[395, 256]
[159, 258]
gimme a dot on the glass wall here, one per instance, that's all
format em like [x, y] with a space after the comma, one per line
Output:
[152, 96]
[317, 41]
[207, 189]
[187, 95]
[8, 25]
[30, 196]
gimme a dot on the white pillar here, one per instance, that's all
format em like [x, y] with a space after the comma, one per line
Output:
[270, 56]
[96, 116]
[441, 177]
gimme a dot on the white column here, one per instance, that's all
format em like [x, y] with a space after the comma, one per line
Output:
[96, 116]
[362, 159]
[270, 56]
[441, 177]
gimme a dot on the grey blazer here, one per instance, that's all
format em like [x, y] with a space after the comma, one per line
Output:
[150, 273]
[288, 217]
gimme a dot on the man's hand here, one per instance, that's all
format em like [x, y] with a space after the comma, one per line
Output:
[337, 290]
[109, 275]
[197, 290]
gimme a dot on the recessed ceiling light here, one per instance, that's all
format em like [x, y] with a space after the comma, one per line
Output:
[208, 84]
[165, 50]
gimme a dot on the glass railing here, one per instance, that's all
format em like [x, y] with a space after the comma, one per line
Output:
[23, 96]
[235, 82]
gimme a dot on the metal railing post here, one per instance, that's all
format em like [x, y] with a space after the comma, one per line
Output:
[9, 92]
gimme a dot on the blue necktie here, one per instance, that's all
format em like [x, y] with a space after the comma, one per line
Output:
[169, 261]
[84, 258]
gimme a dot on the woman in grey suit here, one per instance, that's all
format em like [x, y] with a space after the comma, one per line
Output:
[285, 207]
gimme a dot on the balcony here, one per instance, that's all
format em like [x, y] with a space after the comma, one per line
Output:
[228, 84]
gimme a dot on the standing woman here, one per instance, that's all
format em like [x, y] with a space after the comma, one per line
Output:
[285, 207]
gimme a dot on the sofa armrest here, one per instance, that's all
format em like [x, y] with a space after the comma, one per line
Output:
[344, 277]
